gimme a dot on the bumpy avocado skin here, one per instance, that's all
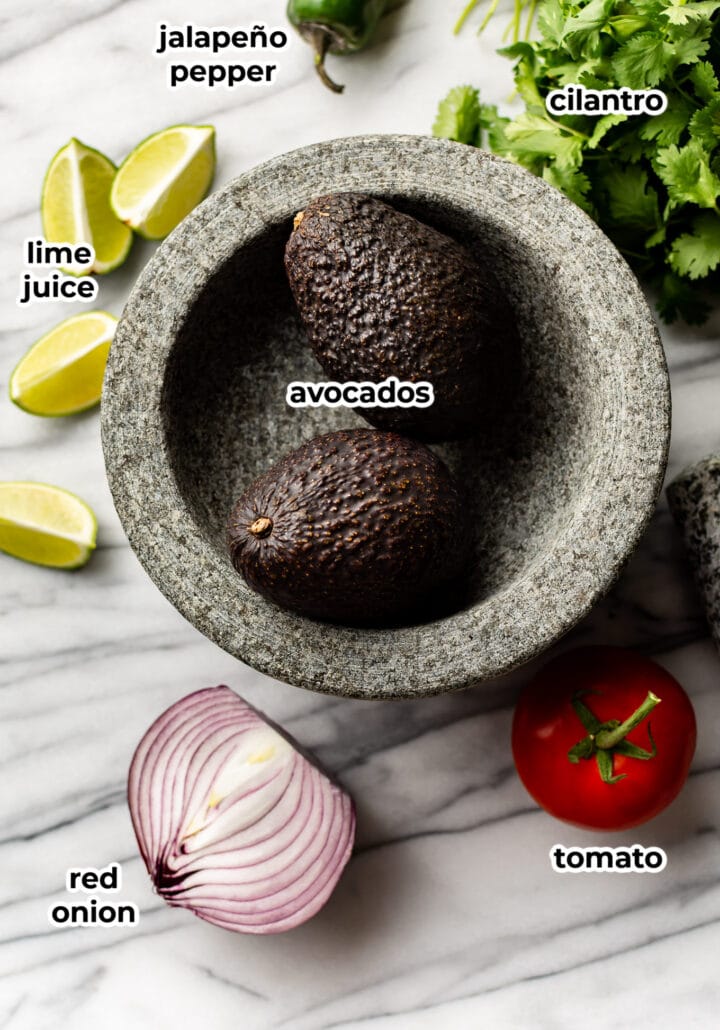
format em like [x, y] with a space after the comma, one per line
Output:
[367, 527]
[381, 294]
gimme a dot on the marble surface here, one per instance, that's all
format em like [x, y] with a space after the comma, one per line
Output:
[449, 915]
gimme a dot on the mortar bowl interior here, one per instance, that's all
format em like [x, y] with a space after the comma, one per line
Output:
[559, 490]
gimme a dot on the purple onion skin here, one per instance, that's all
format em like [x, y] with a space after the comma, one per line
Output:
[233, 821]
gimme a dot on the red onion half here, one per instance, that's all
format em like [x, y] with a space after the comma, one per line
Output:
[232, 821]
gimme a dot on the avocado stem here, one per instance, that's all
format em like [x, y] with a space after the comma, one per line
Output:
[321, 40]
[261, 527]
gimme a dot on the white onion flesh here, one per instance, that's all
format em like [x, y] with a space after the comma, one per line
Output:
[232, 821]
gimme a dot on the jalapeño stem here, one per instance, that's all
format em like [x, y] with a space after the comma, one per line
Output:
[321, 40]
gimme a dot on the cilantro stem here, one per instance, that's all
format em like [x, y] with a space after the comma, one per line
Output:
[530, 18]
[691, 99]
[632, 253]
[465, 15]
[515, 25]
[491, 11]
[517, 20]
[566, 128]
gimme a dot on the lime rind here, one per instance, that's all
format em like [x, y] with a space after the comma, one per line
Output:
[103, 267]
[43, 544]
[140, 217]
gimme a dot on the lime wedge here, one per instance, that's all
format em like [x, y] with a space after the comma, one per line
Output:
[63, 372]
[46, 525]
[76, 207]
[164, 178]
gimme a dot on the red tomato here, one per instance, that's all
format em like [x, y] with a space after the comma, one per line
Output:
[613, 683]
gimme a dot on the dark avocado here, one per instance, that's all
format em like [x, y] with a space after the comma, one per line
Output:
[357, 526]
[381, 294]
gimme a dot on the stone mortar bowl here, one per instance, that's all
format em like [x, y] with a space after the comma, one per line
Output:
[194, 409]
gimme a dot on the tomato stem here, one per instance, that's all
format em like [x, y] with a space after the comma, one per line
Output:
[608, 738]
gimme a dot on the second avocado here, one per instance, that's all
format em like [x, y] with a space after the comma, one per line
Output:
[382, 294]
[355, 526]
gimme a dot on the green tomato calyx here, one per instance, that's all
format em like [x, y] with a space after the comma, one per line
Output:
[605, 739]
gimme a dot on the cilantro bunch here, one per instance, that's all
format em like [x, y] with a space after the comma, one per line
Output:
[651, 182]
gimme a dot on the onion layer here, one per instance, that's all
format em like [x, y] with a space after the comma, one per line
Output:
[232, 821]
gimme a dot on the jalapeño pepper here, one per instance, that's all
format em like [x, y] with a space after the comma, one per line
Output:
[336, 27]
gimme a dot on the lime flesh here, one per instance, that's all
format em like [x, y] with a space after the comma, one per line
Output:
[46, 525]
[62, 373]
[164, 178]
[76, 208]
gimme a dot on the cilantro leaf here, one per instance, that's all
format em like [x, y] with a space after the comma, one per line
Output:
[623, 26]
[657, 237]
[697, 253]
[688, 44]
[650, 9]
[582, 30]
[630, 200]
[642, 61]
[629, 148]
[573, 184]
[458, 115]
[551, 21]
[704, 80]
[594, 74]
[602, 127]
[679, 13]
[493, 126]
[705, 125]
[669, 126]
[526, 85]
[531, 134]
[587, 72]
[687, 174]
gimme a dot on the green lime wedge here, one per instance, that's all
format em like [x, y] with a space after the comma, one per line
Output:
[76, 207]
[164, 178]
[46, 525]
[62, 373]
